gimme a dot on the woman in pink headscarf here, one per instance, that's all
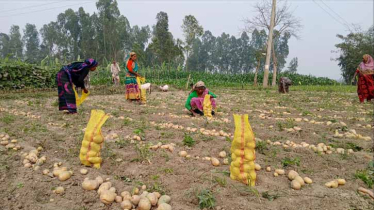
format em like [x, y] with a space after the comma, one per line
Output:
[365, 84]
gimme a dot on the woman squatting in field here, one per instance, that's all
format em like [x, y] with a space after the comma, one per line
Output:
[195, 100]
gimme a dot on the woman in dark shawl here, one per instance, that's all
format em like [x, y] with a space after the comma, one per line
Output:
[70, 76]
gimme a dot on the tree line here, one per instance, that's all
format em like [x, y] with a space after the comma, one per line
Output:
[107, 35]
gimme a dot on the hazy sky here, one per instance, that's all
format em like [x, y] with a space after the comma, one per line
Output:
[318, 36]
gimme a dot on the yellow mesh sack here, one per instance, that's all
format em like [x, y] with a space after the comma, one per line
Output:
[79, 100]
[140, 81]
[243, 155]
[93, 139]
[207, 106]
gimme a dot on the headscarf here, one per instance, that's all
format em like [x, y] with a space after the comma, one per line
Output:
[88, 63]
[197, 85]
[369, 65]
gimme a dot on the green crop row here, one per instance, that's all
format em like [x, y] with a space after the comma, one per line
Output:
[17, 74]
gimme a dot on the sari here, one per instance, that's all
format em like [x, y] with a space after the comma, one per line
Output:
[365, 84]
[132, 86]
[195, 102]
[72, 74]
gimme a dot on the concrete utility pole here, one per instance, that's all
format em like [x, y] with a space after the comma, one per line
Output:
[269, 44]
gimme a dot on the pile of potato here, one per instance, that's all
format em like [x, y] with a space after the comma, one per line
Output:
[9, 145]
[223, 120]
[352, 135]
[202, 130]
[364, 126]
[20, 113]
[60, 172]
[321, 147]
[335, 183]
[169, 147]
[294, 129]
[32, 160]
[145, 201]
[112, 136]
[297, 181]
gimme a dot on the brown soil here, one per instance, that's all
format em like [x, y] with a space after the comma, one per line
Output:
[180, 178]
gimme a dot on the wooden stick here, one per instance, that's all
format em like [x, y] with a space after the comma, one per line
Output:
[188, 81]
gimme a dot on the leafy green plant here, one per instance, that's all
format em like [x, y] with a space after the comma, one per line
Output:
[206, 199]
[261, 147]
[144, 154]
[290, 161]
[220, 181]
[367, 176]
[270, 196]
[188, 140]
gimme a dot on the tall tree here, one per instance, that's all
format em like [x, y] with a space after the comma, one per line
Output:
[163, 46]
[285, 23]
[191, 31]
[49, 34]
[351, 50]
[294, 63]
[31, 40]
[109, 32]
[15, 42]
[258, 44]
[4, 45]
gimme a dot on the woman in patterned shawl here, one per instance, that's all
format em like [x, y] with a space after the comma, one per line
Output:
[132, 87]
[365, 84]
[72, 74]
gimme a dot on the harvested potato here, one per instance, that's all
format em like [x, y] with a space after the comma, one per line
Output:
[300, 180]
[152, 198]
[225, 161]
[99, 180]
[126, 195]
[158, 195]
[280, 171]
[126, 204]
[45, 171]
[215, 162]
[118, 199]
[275, 174]
[83, 171]
[295, 185]
[332, 184]
[58, 171]
[135, 199]
[268, 169]
[222, 154]
[59, 190]
[135, 191]
[90, 184]
[144, 187]
[341, 181]
[257, 167]
[183, 153]
[164, 206]
[107, 196]
[308, 180]
[144, 204]
[103, 187]
[292, 174]
[164, 199]
[65, 175]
